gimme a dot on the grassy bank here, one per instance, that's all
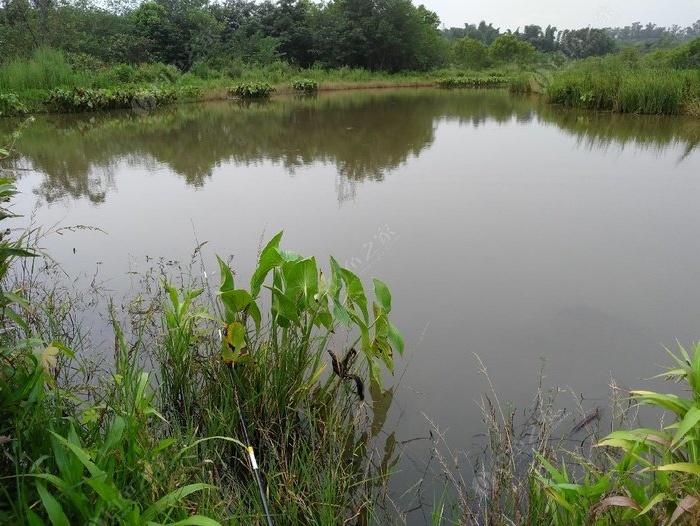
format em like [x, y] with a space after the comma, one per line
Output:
[604, 86]
[52, 82]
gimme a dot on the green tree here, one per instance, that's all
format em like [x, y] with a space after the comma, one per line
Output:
[389, 35]
[544, 41]
[471, 53]
[586, 42]
[178, 32]
[509, 48]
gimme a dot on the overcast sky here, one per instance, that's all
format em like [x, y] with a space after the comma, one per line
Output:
[510, 14]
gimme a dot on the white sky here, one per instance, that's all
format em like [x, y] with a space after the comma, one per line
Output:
[510, 14]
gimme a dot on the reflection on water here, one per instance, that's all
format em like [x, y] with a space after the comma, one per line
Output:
[363, 135]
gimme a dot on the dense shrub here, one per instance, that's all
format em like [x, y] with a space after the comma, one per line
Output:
[82, 99]
[472, 82]
[305, 85]
[251, 90]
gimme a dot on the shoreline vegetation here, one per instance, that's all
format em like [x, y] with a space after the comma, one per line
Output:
[47, 83]
[68, 57]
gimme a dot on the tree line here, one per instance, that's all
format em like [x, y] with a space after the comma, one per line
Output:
[579, 43]
[386, 35]
[389, 35]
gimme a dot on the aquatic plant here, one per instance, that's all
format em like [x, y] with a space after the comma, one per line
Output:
[85, 99]
[305, 85]
[251, 90]
[11, 105]
[472, 82]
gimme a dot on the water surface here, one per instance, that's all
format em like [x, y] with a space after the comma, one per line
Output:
[504, 227]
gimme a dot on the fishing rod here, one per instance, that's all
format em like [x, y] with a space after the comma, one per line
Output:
[249, 444]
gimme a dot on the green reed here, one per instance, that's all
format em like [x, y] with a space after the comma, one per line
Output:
[609, 85]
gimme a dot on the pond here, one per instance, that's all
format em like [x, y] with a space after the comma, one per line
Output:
[505, 228]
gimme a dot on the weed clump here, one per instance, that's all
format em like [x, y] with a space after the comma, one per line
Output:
[251, 90]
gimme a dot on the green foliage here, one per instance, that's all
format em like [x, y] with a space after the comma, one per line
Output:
[10, 105]
[81, 99]
[586, 42]
[471, 53]
[509, 48]
[612, 86]
[491, 81]
[652, 475]
[686, 56]
[305, 85]
[47, 69]
[251, 90]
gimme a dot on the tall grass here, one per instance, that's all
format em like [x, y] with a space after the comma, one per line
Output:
[609, 85]
[47, 69]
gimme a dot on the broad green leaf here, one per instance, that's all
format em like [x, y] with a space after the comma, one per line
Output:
[254, 312]
[235, 301]
[340, 313]
[325, 319]
[226, 276]
[558, 476]
[164, 444]
[558, 498]
[172, 294]
[627, 439]
[140, 394]
[53, 508]
[234, 344]
[67, 351]
[18, 252]
[675, 403]
[194, 520]
[336, 279]
[284, 307]
[689, 423]
[107, 491]
[62, 485]
[235, 335]
[395, 339]
[617, 442]
[381, 323]
[172, 498]
[375, 374]
[356, 292]
[302, 281]
[381, 291]
[653, 502]
[270, 258]
[81, 455]
[685, 467]
[290, 256]
[16, 318]
[366, 344]
[114, 434]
